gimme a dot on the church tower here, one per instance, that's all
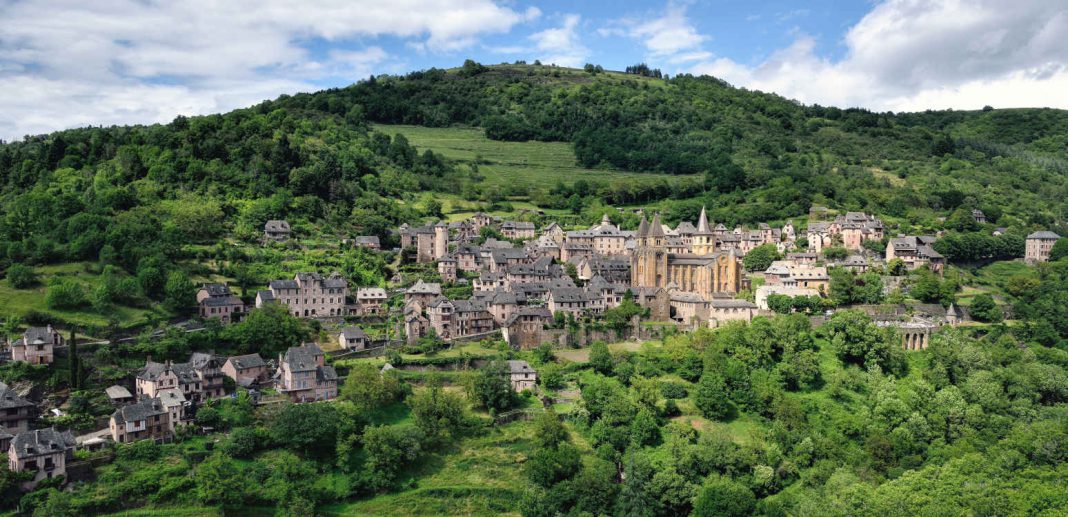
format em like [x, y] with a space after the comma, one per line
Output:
[704, 241]
[649, 261]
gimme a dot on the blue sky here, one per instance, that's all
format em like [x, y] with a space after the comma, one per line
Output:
[69, 63]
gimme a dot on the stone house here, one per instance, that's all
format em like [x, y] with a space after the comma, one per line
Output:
[803, 258]
[517, 230]
[489, 281]
[119, 395]
[604, 239]
[246, 370]
[144, 420]
[430, 242]
[469, 258]
[45, 452]
[367, 241]
[36, 346]
[501, 305]
[554, 232]
[370, 301]
[522, 376]
[856, 263]
[572, 300]
[175, 403]
[422, 292]
[979, 216]
[415, 324]
[454, 319]
[572, 251]
[525, 328]
[1038, 245]
[308, 295]
[216, 301]
[276, 230]
[723, 311]
[199, 380]
[792, 274]
[447, 268]
[352, 338]
[15, 411]
[304, 376]
[915, 252]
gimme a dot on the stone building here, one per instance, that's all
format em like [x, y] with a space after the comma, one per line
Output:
[36, 346]
[246, 370]
[851, 230]
[144, 420]
[1038, 245]
[522, 376]
[199, 379]
[517, 230]
[430, 242]
[370, 301]
[276, 230]
[45, 452]
[653, 266]
[352, 338]
[308, 295]
[422, 292]
[915, 252]
[15, 411]
[525, 328]
[447, 268]
[604, 239]
[303, 375]
[216, 301]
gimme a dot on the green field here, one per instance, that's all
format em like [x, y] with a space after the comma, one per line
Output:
[529, 164]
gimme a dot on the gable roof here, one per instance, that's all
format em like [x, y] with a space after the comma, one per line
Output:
[41, 441]
[242, 362]
[138, 411]
[302, 358]
[353, 333]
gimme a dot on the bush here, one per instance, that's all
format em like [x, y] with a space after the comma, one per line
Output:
[723, 497]
[64, 294]
[984, 309]
[673, 390]
[711, 397]
[20, 276]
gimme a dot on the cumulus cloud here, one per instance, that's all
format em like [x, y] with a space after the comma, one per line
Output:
[669, 37]
[922, 54]
[561, 45]
[67, 63]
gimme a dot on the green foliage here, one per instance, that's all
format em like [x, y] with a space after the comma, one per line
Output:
[491, 387]
[439, 414]
[179, 294]
[21, 276]
[724, 497]
[926, 286]
[711, 397]
[858, 341]
[268, 331]
[600, 358]
[371, 390]
[761, 257]
[835, 253]
[64, 294]
[1057, 252]
[984, 308]
[848, 288]
[307, 428]
[389, 449]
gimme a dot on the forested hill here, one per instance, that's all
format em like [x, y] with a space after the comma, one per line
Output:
[749, 156]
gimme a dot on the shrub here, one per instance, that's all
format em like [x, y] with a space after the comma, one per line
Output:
[20, 276]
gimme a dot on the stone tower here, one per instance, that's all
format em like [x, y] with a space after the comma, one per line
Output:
[649, 261]
[704, 241]
[441, 240]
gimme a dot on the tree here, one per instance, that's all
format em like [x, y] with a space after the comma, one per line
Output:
[492, 388]
[780, 303]
[835, 253]
[1057, 252]
[65, 294]
[761, 257]
[644, 429]
[601, 358]
[440, 414]
[723, 497]
[20, 276]
[549, 466]
[549, 431]
[369, 389]
[308, 428]
[269, 331]
[858, 341]
[711, 397]
[389, 449]
[985, 309]
[896, 267]
[219, 481]
[180, 295]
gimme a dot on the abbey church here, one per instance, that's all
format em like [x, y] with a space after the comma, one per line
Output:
[703, 271]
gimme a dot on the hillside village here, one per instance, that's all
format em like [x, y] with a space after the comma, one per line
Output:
[527, 287]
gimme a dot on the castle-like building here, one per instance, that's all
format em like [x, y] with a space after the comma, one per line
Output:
[703, 272]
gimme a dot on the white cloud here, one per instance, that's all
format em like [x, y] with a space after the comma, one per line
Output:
[561, 45]
[65, 63]
[921, 54]
[670, 37]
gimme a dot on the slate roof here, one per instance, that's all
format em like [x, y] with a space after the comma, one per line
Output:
[221, 301]
[371, 293]
[515, 366]
[731, 304]
[1043, 235]
[353, 333]
[568, 294]
[302, 358]
[118, 392]
[40, 442]
[138, 411]
[9, 399]
[421, 287]
[216, 290]
[242, 362]
[276, 225]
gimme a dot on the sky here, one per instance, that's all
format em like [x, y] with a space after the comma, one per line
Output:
[74, 63]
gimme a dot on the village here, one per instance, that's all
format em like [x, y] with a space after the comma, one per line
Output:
[526, 286]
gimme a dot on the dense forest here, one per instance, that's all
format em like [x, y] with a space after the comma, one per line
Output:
[788, 415]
